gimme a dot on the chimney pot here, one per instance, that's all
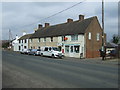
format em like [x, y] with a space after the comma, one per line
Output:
[39, 26]
[47, 24]
[81, 17]
[69, 20]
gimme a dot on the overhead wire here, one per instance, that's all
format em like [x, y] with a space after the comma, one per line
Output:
[52, 15]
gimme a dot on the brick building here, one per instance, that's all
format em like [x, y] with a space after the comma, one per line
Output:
[72, 37]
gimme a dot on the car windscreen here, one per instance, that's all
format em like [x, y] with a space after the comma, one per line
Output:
[34, 49]
[55, 49]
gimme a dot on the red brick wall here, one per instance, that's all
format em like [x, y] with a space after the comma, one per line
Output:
[93, 46]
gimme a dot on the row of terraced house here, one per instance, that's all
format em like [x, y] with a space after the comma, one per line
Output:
[72, 37]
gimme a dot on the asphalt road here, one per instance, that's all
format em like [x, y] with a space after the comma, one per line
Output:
[42, 72]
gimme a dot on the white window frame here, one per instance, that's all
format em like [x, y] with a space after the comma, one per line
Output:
[89, 35]
[75, 37]
[98, 36]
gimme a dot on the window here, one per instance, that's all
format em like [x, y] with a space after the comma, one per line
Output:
[39, 40]
[51, 39]
[25, 41]
[22, 41]
[39, 47]
[98, 36]
[89, 35]
[74, 37]
[44, 39]
[19, 47]
[31, 47]
[19, 41]
[49, 48]
[25, 47]
[67, 49]
[46, 49]
[63, 38]
[76, 49]
[71, 49]
[30, 40]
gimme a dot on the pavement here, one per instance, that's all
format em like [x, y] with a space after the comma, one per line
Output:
[24, 71]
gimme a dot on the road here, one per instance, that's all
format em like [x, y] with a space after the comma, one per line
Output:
[42, 72]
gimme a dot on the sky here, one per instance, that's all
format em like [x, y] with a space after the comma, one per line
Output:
[25, 16]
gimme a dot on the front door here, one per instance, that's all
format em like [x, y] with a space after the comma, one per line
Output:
[71, 52]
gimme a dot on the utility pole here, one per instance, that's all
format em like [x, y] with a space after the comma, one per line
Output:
[9, 38]
[103, 48]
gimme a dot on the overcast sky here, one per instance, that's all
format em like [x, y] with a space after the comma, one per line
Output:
[24, 16]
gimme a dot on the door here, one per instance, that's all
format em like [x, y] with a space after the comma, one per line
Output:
[71, 52]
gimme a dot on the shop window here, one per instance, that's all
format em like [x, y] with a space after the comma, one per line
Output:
[74, 37]
[71, 49]
[89, 35]
[19, 47]
[76, 49]
[67, 49]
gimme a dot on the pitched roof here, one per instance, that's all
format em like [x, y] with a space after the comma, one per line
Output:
[111, 45]
[75, 27]
[27, 36]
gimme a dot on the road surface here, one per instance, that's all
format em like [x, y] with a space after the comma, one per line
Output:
[27, 71]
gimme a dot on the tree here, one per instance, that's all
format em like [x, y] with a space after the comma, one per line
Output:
[115, 39]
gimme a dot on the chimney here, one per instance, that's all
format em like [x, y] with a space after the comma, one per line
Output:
[16, 37]
[81, 17]
[47, 24]
[35, 30]
[39, 26]
[69, 20]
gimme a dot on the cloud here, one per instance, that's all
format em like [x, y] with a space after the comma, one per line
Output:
[19, 16]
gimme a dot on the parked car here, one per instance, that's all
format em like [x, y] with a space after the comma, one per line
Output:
[25, 51]
[51, 51]
[113, 53]
[34, 52]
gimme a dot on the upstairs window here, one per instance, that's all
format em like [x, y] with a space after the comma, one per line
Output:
[51, 39]
[98, 36]
[45, 39]
[38, 39]
[63, 38]
[22, 41]
[19, 41]
[25, 41]
[89, 35]
[74, 37]
[30, 40]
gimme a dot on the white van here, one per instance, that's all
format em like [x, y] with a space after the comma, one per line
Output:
[51, 51]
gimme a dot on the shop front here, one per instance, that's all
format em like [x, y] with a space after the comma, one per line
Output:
[72, 50]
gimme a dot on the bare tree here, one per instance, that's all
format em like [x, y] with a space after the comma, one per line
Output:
[115, 39]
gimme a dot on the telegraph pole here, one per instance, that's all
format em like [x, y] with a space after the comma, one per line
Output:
[9, 38]
[103, 48]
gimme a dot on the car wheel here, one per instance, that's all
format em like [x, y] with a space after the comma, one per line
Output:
[52, 55]
[42, 54]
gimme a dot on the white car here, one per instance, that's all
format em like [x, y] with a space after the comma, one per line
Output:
[51, 51]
